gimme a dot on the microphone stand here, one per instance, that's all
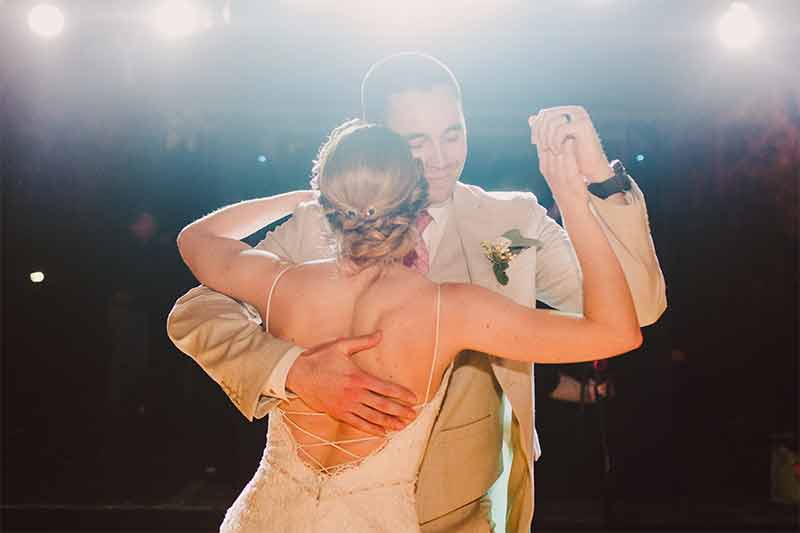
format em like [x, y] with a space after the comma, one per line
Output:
[600, 376]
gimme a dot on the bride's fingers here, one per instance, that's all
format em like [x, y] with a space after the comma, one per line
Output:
[545, 161]
[570, 158]
[565, 167]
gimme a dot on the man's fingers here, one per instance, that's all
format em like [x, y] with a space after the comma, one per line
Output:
[377, 418]
[545, 125]
[562, 133]
[352, 345]
[388, 389]
[363, 425]
[547, 121]
[390, 407]
[574, 111]
[534, 122]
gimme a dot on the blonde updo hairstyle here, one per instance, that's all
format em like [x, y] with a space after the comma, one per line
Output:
[371, 190]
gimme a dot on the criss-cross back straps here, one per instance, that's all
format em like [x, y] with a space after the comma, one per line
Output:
[337, 444]
[272, 290]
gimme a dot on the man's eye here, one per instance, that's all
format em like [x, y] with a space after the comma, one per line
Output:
[415, 145]
[452, 137]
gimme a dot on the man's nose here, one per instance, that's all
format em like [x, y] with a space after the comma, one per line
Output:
[436, 156]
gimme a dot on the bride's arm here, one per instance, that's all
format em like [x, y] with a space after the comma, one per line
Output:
[212, 249]
[494, 324]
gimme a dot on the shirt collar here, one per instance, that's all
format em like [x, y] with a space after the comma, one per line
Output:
[440, 212]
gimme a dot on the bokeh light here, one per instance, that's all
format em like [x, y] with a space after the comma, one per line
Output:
[46, 20]
[180, 18]
[739, 28]
[37, 277]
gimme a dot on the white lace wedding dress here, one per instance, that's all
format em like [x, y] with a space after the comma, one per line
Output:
[372, 494]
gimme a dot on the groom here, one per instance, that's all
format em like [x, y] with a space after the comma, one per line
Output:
[418, 97]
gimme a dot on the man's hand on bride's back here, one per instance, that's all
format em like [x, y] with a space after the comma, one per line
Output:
[327, 379]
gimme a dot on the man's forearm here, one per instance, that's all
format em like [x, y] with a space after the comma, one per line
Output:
[628, 230]
[231, 347]
[227, 340]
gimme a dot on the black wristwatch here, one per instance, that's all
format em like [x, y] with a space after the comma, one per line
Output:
[619, 182]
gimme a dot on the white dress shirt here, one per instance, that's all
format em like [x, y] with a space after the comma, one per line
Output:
[276, 384]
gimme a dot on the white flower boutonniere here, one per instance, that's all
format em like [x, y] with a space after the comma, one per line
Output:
[503, 249]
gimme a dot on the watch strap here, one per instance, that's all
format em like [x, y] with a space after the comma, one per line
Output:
[619, 182]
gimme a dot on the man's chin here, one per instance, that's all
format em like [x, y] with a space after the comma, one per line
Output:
[437, 195]
[438, 199]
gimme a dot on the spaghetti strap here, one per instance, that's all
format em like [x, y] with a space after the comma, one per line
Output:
[435, 341]
[272, 290]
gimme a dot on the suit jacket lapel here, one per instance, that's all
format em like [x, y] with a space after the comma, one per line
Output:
[473, 226]
[449, 263]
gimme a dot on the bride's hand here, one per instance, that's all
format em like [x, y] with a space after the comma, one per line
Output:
[560, 170]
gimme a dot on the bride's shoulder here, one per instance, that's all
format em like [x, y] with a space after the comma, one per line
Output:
[316, 264]
[463, 297]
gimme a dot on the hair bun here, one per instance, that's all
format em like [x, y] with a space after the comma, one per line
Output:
[372, 190]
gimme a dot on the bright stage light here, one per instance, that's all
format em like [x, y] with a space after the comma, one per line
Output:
[46, 20]
[739, 27]
[388, 18]
[179, 18]
[37, 277]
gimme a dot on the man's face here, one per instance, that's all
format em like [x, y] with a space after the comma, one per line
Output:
[433, 124]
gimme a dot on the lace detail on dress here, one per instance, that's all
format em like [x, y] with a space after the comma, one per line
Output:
[376, 494]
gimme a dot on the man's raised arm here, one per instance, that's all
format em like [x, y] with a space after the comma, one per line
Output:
[623, 217]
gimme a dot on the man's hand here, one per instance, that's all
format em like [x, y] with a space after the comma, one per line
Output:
[550, 128]
[326, 379]
[570, 389]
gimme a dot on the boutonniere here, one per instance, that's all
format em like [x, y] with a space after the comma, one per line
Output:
[503, 249]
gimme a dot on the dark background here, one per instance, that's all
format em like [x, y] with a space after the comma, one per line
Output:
[113, 138]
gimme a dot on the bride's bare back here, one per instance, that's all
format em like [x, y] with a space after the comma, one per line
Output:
[398, 301]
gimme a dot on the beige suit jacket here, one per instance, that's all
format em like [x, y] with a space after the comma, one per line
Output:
[463, 457]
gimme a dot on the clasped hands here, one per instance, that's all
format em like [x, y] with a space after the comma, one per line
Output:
[560, 130]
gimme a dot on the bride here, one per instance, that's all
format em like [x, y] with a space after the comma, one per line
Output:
[319, 474]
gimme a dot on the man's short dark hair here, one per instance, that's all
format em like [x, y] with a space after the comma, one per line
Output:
[398, 73]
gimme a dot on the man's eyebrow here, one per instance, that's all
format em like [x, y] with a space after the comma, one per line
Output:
[414, 136]
[451, 129]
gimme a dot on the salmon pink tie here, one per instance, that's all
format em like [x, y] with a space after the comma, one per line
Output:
[418, 257]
